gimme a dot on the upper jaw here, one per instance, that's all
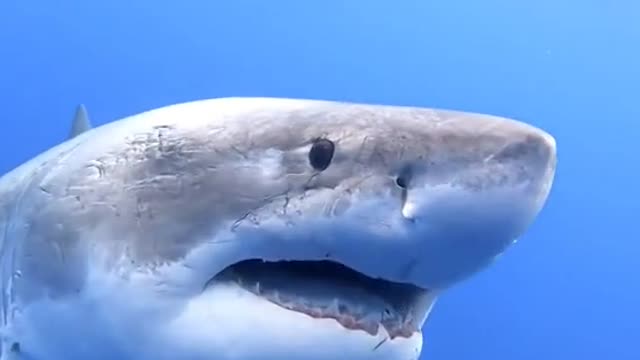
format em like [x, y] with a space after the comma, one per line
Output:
[375, 239]
[399, 251]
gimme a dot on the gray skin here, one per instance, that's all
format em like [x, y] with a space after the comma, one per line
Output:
[157, 185]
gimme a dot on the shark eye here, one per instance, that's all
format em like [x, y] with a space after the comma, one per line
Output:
[321, 154]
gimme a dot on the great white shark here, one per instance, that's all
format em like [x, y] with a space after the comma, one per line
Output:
[259, 228]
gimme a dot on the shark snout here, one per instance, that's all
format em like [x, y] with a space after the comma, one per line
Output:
[547, 144]
[539, 161]
[462, 224]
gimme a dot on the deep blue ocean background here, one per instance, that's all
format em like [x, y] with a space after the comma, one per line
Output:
[570, 289]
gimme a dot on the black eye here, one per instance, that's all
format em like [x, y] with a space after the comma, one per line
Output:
[321, 154]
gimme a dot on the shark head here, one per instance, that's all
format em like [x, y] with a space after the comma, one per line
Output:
[259, 228]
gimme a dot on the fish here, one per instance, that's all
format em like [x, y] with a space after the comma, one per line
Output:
[249, 228]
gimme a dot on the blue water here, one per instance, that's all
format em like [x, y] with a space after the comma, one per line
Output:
[568, 290]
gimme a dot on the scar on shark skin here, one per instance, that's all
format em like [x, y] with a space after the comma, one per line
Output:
[380, 343]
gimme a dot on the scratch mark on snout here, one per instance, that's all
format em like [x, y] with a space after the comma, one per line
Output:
[380, 344]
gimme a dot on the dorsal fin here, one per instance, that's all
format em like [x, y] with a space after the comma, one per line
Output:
[80, 122]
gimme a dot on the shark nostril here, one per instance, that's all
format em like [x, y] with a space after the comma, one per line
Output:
[403, 179]
[402, 182]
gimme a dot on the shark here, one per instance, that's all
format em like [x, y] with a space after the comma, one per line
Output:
[259, 228]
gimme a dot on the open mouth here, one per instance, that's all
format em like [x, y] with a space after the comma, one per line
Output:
[326, 289]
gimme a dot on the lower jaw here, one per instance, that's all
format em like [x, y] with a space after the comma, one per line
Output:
[225, 321]
[350, 322]
[234, 323]
[325, 290]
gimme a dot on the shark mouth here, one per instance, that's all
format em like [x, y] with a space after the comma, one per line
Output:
[329, 290]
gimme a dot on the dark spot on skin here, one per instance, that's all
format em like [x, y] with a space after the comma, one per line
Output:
[15, 347]
[321, 154]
